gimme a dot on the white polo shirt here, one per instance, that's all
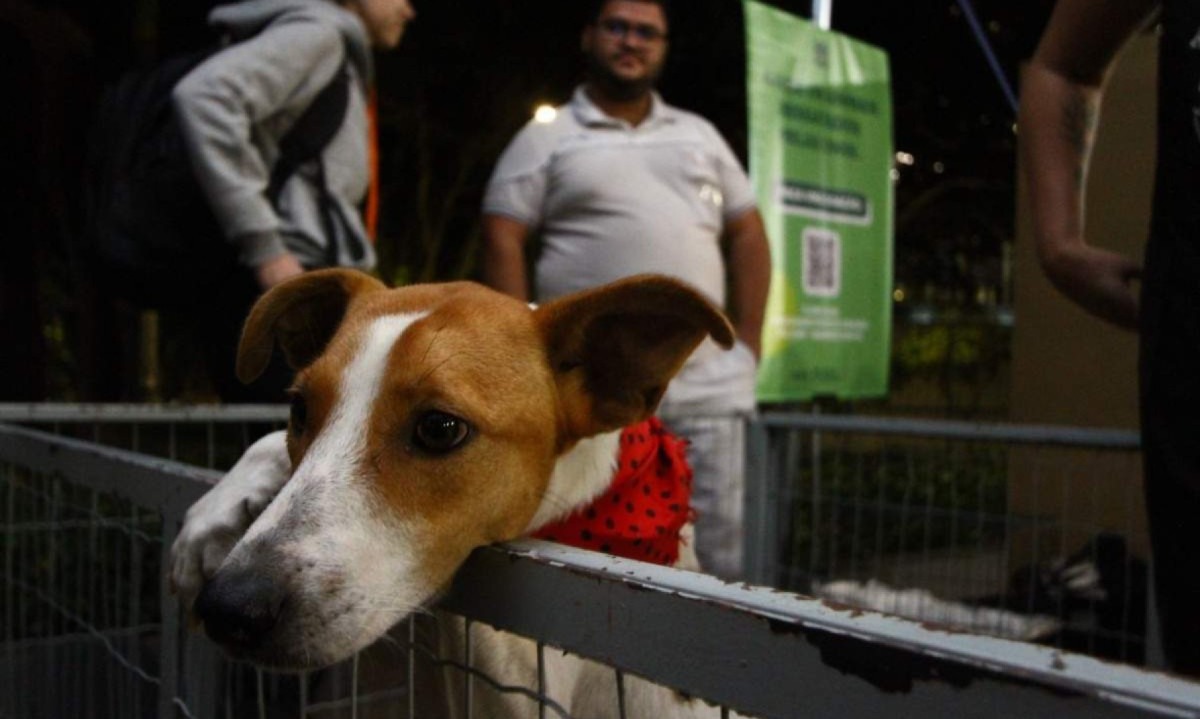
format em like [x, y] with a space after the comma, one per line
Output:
[610, 200]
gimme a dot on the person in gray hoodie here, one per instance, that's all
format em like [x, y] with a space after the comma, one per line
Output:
[236, 106]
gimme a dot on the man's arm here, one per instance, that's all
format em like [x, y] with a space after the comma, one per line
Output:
[504, 255]
[1060, 103]
[277, 269]
[748, 264]
[219, 103]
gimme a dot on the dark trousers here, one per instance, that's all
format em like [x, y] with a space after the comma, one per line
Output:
[1170, 416]
[1172, 467]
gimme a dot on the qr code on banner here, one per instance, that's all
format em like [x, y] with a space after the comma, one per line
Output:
[822, 262]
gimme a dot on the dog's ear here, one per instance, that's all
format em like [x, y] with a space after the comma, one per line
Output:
[614, 349]
[301, 314]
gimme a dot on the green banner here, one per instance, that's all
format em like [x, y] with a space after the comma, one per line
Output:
[821, 164]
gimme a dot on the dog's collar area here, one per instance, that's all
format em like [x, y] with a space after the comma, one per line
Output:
[646, 506]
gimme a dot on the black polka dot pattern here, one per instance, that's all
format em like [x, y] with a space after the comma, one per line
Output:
[641, 515]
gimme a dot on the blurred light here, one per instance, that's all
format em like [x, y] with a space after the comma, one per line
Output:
[894, 174]
[905, 158]
[922, 315]
[1004, 316]
[898, 294]
[938, 167]
[545, 113]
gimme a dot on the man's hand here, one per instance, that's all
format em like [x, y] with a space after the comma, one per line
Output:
[215, 523]
[277, 269]
[1101, 282]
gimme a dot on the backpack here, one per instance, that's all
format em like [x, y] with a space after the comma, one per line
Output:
[153, 237]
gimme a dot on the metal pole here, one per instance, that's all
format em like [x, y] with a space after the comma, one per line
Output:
[822, 13]
[760, 509]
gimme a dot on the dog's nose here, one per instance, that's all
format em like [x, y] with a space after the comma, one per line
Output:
[238, 609]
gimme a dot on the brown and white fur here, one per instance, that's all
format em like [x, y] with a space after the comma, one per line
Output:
[427, 421]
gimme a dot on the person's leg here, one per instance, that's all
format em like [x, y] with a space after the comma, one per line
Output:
[717, 453]
[1170, 395]
[1173, 506]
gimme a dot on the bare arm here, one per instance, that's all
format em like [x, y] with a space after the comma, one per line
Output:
[748, 262]
[504, 255]
[1060, 103]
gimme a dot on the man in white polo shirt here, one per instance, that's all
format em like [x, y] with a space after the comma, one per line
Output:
[618, 183]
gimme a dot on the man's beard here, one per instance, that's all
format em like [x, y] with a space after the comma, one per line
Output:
[615, 86]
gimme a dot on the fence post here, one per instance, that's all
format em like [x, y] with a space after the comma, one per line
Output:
[822, 13]
[204, 676]
[168, 650]
[814, 552]
[190, 667]
[760, 517]
[1155, 658]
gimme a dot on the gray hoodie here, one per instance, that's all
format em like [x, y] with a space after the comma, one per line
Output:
[236, 106]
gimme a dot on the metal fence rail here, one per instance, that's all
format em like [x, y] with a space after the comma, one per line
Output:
[1031, 532]
[212, 436]
[89, 630]
[1022, 531]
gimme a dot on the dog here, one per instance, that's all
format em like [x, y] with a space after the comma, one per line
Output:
[427, 421]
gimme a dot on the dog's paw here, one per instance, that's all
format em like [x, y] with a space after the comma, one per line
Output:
[214, 524]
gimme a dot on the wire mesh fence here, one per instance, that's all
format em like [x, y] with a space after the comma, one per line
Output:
[211, 436]
[1032, 533]
[76, 595]
[89, 630]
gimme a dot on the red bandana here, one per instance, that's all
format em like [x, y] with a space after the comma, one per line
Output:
[645, 507]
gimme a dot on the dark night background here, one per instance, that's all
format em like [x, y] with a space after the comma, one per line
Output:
[467, 75]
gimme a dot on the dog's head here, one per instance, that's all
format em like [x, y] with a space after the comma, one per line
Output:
[426, 421]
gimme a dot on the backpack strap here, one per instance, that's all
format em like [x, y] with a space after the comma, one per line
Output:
[312, 131]
[304, 141]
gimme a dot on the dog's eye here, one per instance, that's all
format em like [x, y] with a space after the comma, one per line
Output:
[299, 414]
[438, 432]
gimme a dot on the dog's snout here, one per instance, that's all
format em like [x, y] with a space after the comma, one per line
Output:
[239, 609]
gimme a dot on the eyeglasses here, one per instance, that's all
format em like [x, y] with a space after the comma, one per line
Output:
[619, 28]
